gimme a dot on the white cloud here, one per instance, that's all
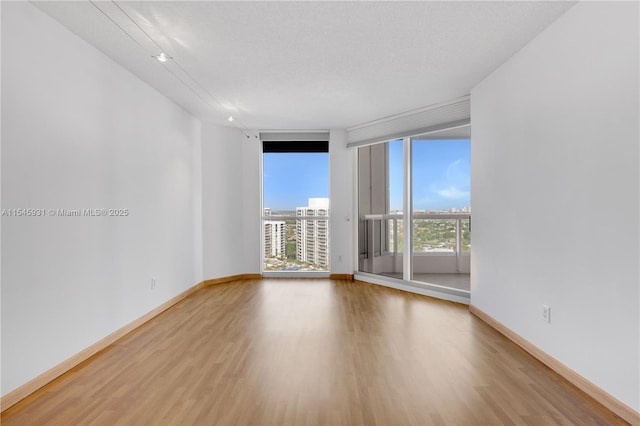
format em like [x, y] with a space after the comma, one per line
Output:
[451, 168]
[453, 193]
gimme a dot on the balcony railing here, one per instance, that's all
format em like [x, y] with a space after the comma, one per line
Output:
[440, 243]
[433, 233]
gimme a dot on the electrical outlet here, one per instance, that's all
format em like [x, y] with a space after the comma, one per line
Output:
[154, 280]
[546, 313]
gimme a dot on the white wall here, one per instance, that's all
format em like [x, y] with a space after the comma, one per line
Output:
[223, 224]
[341, 191]
[556, 194]
[0, 205]
[78, 132]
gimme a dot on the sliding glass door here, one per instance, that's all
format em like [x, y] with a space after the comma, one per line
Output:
[414, 199]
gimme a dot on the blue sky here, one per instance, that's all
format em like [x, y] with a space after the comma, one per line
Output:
[291, 178]
[441, 176]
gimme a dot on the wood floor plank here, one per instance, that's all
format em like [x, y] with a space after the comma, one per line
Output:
[310, 352]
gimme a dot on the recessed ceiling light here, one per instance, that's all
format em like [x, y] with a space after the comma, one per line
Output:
[162, 57]
[230, 118]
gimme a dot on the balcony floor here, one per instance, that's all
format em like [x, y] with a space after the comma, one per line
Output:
[459, 281]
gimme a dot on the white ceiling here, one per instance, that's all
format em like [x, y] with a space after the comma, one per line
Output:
[308, 65]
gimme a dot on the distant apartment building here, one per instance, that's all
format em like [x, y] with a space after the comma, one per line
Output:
[313, 235]
[275, 231]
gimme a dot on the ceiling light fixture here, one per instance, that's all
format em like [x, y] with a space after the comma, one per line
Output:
[230, 119]
[162, 57]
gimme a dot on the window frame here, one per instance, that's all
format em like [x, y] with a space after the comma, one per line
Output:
[308, 143]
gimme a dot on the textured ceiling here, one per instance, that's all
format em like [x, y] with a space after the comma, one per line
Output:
[308, 65]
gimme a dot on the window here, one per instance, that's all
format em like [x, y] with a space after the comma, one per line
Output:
[295, 206]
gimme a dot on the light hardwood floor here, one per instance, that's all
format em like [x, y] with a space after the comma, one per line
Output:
[310, 352]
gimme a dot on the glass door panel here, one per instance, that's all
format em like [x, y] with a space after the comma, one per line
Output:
[440, 171]
[380, 206]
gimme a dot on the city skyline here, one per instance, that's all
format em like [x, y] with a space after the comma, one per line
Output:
[299, 244]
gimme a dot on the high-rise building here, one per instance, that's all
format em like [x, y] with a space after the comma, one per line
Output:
[312, 235]
[275, 231]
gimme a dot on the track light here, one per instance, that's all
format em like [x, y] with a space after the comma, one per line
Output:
[162, 57]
